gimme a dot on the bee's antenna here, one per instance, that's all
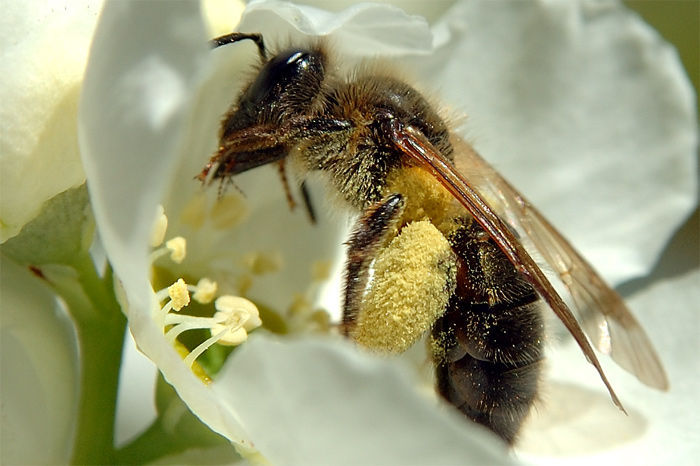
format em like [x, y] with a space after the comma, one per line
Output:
[238, 36]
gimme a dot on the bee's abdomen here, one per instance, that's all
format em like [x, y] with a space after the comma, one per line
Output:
[488, 344]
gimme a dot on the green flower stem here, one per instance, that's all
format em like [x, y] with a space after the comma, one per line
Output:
[100, 325]
[101, 350]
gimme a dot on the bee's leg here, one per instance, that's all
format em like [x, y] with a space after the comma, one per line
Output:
[285, 184]
[413, 279]
[369, 234]
[306, 197]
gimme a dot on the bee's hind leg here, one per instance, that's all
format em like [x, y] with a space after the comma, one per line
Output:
[413, 273]
[370, 233]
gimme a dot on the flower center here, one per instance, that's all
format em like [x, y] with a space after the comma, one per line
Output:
[229, 325]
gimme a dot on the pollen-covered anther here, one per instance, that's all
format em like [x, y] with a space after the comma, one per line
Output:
[235, 317]
[229, 211]
[178, 249]
[179, 295]
[193, 213]
[205, 291]
[321, 270]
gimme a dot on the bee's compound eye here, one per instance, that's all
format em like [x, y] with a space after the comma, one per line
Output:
[286, 85]
[282, 74]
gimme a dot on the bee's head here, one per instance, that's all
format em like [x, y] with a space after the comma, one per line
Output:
[286, 86]
[256, 131]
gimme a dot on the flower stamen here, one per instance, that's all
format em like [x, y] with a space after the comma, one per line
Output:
[159, 228]
[176, 247]
[234, 316]
[229, 326]
[205, 291]
[179, 295]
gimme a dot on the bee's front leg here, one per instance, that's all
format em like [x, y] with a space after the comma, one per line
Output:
[413, 279]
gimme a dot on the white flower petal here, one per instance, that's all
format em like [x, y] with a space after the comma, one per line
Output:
[43, 48]
[132, 112]
[130, 131]
[362, 29]
[320, 402]
[586, 110]
[39, 393]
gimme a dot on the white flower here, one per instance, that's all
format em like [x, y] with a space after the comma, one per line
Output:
[44, 49]
[151, 102]
[39, 393]
[566, 104]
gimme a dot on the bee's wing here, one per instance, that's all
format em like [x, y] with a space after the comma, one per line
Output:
[600, 311]
[626, 340]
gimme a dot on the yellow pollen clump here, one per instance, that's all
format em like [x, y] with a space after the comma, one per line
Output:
[179, 295]
[413, 280]
[424, 196]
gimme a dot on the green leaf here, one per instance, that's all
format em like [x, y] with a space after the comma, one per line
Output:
[64, 229]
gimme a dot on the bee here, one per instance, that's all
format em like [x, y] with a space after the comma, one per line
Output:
[443, 246]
